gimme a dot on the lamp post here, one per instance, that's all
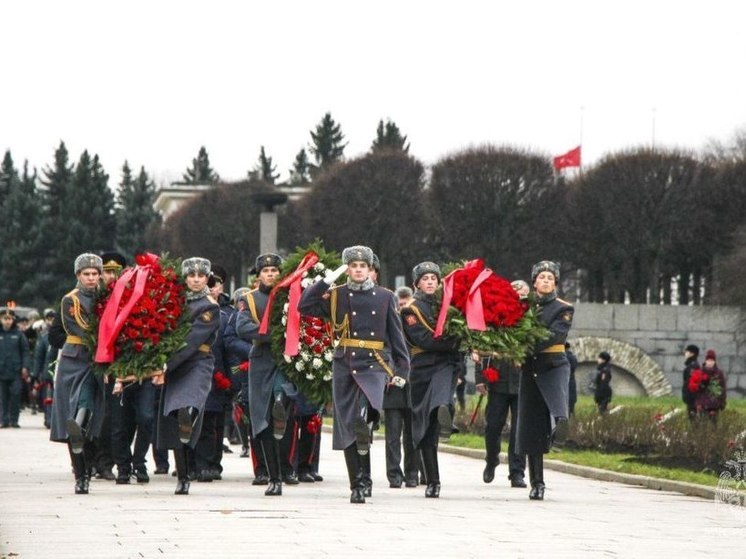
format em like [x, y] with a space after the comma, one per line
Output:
[268, 219]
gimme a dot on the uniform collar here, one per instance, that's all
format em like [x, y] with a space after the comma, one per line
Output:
[365, 286]
[194, 295]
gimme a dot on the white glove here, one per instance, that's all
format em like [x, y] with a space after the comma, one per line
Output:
[399, 382]
[330, 277]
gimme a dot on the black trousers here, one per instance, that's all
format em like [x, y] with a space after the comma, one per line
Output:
[133, 417]
[309, 445]
[398, 423]
[496, 414]
[208, 453]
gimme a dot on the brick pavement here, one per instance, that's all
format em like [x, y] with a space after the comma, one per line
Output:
[40, 517]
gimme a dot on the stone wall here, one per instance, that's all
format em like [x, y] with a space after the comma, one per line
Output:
[661, 333]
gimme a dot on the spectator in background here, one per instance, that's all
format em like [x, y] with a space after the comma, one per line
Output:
[602, 391]
[14, 367]
[691, 354]
[572, 392]
[711, 396]
[404, 296]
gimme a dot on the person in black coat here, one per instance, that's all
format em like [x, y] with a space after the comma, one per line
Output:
[602, 382]
[79, 399]
[542, 398]
[188, 374]
[573, 386]
[691, 356]
[371, 352]
[502, 397]
[435, 364]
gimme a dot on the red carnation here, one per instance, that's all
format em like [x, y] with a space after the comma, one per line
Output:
[137, 346]
[491, 374]
[313, 425]
[221, 381]
[244, 366]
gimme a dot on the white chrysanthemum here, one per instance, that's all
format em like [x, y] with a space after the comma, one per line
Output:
[319, 267]
[304, 274]
[299, 366]
[284, 320]
[288, 359]
[305, 356]
[305, 283]
[317, 363]
[328, 355]
[285, 307]
[328, 376]
[309, 376]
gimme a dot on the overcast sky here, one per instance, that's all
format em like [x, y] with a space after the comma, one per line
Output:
[152, 81]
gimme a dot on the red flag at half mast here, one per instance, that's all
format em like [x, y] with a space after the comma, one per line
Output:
[569, 159]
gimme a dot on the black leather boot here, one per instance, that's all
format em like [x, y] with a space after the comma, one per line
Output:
[355, 473]
[362, 435]
[76, 429]
[445, 423]
[279, 418]
[272, 458]
[181, 459]
[82, 478]
[432, 472]
[367, 479]
[536, 476]
[186, 424]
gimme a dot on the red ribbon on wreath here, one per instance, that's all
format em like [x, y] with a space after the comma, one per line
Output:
[113, 318]
[474, 311]
[292, 282]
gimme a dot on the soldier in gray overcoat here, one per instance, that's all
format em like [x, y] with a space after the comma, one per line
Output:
[268, 404]
[543, 394]
[188, 373]
[435, 367]
[79, 401]
[371, 352]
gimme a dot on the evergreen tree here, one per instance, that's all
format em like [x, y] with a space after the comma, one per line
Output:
[327, 146]
[8, 174]
[135, 214]
[388, 136]
[20, 256]
[201, 172]
[300, 173]
[55, 270]
[265, 169]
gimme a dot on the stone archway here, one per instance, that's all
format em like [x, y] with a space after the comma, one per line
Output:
[626, 357]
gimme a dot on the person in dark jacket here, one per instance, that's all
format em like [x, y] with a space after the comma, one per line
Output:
[542, 398]
[44, 355]
[572, 388]
[371, 352]
[711, 397]
[691, 355]
[188, 373]
[15, 362]
[79, 399]
[502, 397]
[268, 401]
[435, 364]
[602, 382]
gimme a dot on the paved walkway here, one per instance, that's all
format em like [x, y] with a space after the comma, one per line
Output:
[40, 517]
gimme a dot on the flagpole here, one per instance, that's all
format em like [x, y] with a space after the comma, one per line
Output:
[580, 167]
